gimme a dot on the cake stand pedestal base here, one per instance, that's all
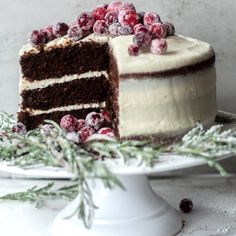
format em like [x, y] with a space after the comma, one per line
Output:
[136, 211]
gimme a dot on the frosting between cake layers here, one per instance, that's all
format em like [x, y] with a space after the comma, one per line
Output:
[167, 106]
[34, 112]
[25, 84]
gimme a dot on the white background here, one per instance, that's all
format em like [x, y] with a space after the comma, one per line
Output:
[210, 20]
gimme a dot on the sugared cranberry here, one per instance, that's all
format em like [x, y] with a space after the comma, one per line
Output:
[125, 30]
[60, 29]
[73, 136]
[75, 32]
[129, 18]
[85, 132]
[114, 6]
[69, 123]
[158, 46]
[150, 18]
[158, 30]
[111, 17]
[48, 31]
[140, 17]
[106, 131]
[19, 128]
[133, 50]
[114, 29]
[106, 116]
[127, 6]
[99, 13]
[86, 20]
[142, 39]
[94, 120]
[100, 27]
[140, 28]
[170, 28]
[186, 205]
[80, 124]
[37, 38]
[47, 130]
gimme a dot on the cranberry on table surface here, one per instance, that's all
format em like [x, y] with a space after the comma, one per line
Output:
[150, 18]
[129, 18]
[75, 32]
[133, 50]
[60, 29]
[186, 205]
[100, 27]
[158, 30]
[142, 39]
[158, 46]
[86, 20]
[19, 128]
[68, 123]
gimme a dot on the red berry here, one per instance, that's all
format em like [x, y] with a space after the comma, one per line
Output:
[114, 29]
[85, 132]
[80, 124]
[75, 32]
[86, 20]
[127, 6]
[158, 30]
[140, 28]
[48, 31]
[133, 50]
[125, 30]
[186, 205]
[129, 18]
[60, 29]
[99, 13]
[106, 131]
[158, 46]
[73, 136]
[69, 123]
[111, 17]
[170, 28]
[94, 120]
[19, 128]
[106, 116]
[100, 27]
[149, 18]
[114, 6]
[36, 37]
[142, 39]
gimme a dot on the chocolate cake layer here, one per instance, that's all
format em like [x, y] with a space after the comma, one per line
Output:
[180, 71]
[33, 122]
[75, 59]
[87, 90]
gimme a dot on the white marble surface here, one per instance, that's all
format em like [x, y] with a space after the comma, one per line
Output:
[213, 197]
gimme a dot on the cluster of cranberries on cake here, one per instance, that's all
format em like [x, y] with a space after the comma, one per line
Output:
[114, 19]
[111, 58]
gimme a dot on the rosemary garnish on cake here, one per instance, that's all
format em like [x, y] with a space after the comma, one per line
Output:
[49, 145]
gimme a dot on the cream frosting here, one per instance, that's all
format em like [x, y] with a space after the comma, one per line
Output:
[30, 85]
[34, 112]
[166, 106]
